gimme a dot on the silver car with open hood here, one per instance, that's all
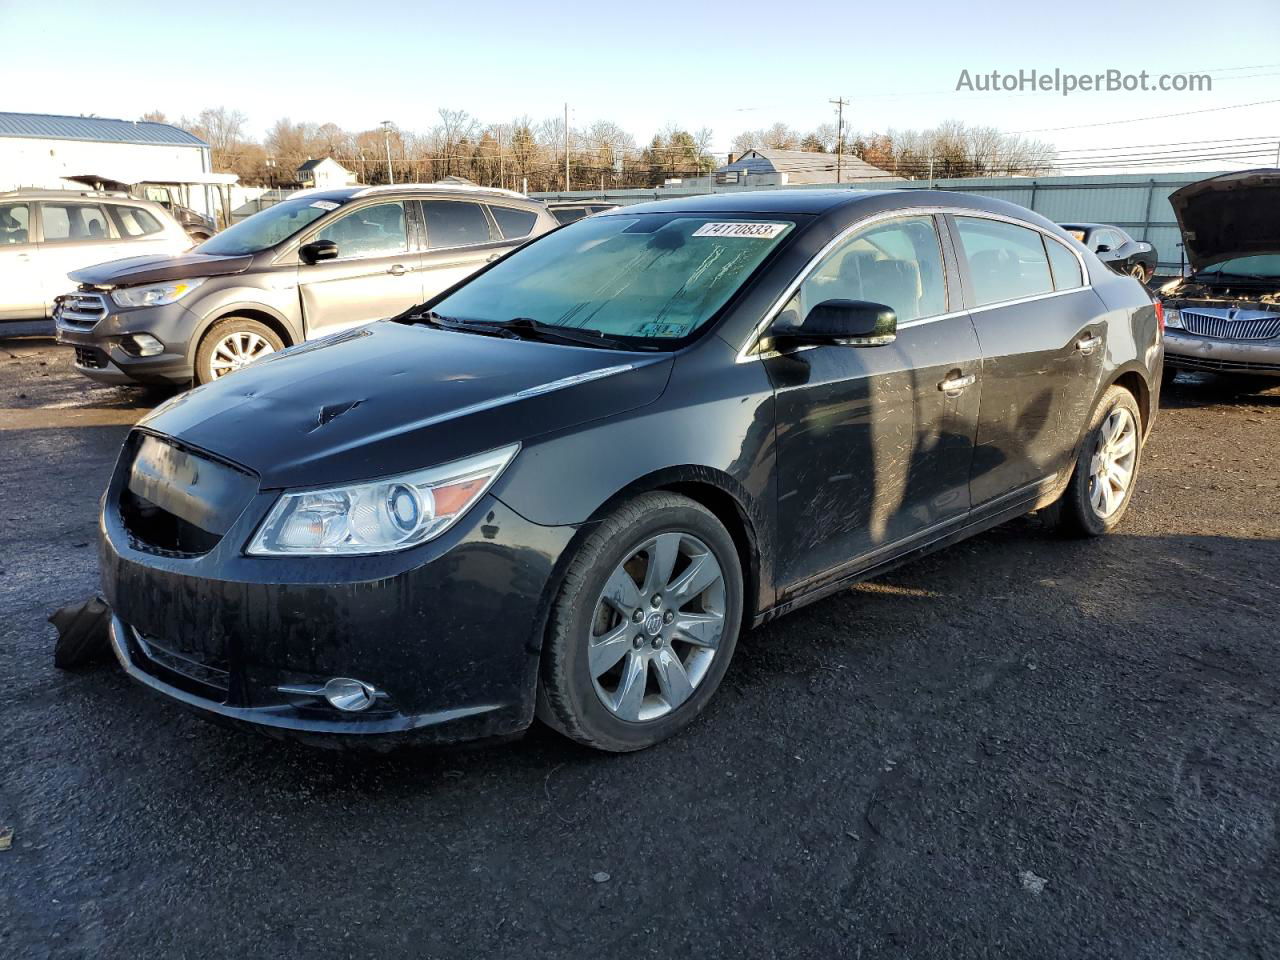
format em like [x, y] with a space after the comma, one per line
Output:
[1225, 316]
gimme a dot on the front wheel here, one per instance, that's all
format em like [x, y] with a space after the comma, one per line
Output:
[1106, 470]
[643, 627]
[231, 344]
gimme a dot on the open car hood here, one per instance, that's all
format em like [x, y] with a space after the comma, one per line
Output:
[160, 268]
[1234, 215]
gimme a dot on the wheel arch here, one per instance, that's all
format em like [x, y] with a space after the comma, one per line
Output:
[250, 311]
[1133, 379]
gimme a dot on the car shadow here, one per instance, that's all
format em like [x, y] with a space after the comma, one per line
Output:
[1202, 389]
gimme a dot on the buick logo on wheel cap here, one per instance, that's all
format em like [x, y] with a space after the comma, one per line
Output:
[653, 624]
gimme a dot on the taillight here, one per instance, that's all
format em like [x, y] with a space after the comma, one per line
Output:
[1160, 314]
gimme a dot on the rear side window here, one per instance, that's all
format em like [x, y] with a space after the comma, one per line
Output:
[15, 223]
[1006, 262]
[568, 214]
[74, 221]
[514, 223]
[134, 221]
[455, 223]
[1066, 268]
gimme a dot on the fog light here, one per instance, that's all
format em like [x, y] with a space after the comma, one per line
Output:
[145, 345]
[342, 693]
[350, 696]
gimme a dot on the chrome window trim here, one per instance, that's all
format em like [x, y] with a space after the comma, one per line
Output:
[748, 352]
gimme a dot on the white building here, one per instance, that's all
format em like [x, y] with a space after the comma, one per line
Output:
[325, 173]
[43, 150]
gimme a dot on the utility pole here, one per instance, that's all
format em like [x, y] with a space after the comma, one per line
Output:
[566, 148]
[502, 166]
[386, 139]
[839, 104]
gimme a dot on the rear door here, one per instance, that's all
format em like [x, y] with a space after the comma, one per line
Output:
[1041, 333]
[461, 238]
[74, 234]
[376, 274]
[875, 444]
[21, 287]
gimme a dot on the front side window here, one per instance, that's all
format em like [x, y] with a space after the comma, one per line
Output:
[373, 231]
[73, 221]
[898, 263]
[1006, 262]
[134, 221]
[15, 223]
[268, 227]
[1066, 268]
[652, 276]
[512, 222]
[455, 223]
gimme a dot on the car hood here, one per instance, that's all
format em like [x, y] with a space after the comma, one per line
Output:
[389, 398]
[158, 269]
[1234, 215]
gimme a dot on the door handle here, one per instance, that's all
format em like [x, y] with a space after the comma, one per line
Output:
[397, 269]
[1086, 345]
[953, 386]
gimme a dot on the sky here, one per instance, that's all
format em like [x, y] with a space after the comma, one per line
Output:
[726, 66]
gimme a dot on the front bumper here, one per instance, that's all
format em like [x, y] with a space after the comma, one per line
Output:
[100, 356]
[450, 631]
[1186, 351]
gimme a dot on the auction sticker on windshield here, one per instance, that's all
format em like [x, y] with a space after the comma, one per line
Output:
[737, 228]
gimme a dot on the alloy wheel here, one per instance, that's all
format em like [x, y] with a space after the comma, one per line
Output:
[236, 350]
[1111, 469]
[657, 627]
[1139, 273]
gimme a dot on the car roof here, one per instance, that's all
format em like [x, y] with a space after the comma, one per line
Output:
[343, 194]
[1085, 225]
[842, 204]
[50, 194]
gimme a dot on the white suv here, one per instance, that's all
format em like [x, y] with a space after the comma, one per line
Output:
[46, 234]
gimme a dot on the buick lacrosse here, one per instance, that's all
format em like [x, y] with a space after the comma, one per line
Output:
[563, 487]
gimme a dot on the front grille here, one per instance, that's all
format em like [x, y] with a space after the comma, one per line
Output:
[1232, 324]
[90, 358]
[81, 311]
[206, 667]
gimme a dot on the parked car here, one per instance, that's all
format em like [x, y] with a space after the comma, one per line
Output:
[566, 211]
[47, 234]
[317, 263]
[1225, 316]
[1117, 249]
[564, 486]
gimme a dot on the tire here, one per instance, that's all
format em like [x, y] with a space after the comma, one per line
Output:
[257, 340]
[597, 705]
[1077, 512]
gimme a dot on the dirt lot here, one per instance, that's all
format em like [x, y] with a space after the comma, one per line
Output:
[1018, 747]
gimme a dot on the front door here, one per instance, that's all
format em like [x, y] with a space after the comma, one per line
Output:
[375, 275]
[874, 443]
[1042, 351]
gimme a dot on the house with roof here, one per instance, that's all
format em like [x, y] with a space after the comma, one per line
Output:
[324, 173]
[766, 167]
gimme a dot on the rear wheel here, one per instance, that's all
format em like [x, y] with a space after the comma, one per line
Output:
[643, 627]
[1106, 470]
[1138, 272]
[231, 344]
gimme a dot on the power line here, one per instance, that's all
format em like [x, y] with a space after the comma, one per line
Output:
[1161, 116]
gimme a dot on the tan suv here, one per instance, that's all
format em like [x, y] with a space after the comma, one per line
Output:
[317, 263]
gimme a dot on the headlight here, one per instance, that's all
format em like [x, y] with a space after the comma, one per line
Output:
[155, 295]
[381, 516]
[1173, 318]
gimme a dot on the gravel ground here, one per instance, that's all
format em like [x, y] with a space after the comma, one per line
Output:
[1018, 747]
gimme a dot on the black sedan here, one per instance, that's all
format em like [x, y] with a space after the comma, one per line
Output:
[1116, 249]
[563, 487]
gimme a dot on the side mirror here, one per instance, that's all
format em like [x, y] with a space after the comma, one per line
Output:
[318, 250]
[853, 323]
[1102, 248]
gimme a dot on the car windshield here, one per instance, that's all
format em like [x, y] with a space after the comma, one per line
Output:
[267, 227]
[652, 276]
[1265, 266]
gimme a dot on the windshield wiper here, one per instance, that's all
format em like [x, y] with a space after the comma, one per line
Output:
[441, 322]
[532, 329]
